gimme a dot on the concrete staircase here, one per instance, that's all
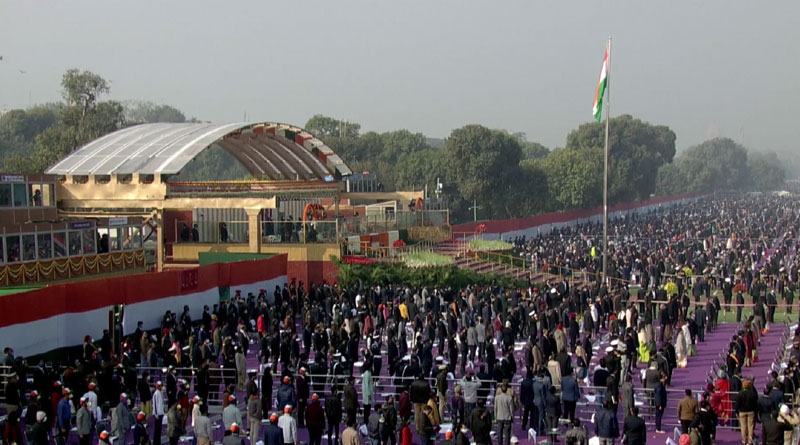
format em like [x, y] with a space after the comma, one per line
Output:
[458, 249]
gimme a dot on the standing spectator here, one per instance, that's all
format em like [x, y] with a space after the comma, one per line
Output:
[350, 398]
[389, 422]
[350, 435]
[159, 410]
[174, 426]
[288, 426]
[606, 426]
[577, 434]
[333, 411]
[140, 430]
[83, 422]
[374, 426]
[273, 435]
[315, 420]
[123, 418]
[746, 406]
[232, 436]
[40, 433]
[570, 394]
[634, 428]
[231, 413]
[660, 401]
[202, 426]
[553, 408]
[254, 415]
[457, 406]
[687, 409]
[428, 431]
[420, 394]
[481, 424]
[12, 430]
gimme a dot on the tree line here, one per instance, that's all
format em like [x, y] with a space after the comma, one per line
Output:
[503, 173]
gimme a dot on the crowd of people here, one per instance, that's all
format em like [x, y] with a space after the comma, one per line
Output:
[474, 363]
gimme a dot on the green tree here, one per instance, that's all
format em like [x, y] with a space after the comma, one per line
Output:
[638, 149]
[323, 126]
[766, 171]
[483, 164]
[140, 112]
[81, 120]
[671, 179]
[718, 164]
[573, 181]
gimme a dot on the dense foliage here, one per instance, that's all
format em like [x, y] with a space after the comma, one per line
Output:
[501, 173]
[720, 165]
[441, 277]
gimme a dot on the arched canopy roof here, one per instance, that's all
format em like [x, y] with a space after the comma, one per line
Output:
[267, 150]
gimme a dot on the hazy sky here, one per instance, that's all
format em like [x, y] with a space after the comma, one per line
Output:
[704, 68]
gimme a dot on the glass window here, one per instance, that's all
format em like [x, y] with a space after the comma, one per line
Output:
[45, 245]
[37, 197]
[127, 243]
[136, 237]
[60, 244]
[49, 194]
[89, 241]
[75, 243]
[12, 248]
[114, 241]
[29, 244]
[2, 251]
[5, 195]
[20, 195]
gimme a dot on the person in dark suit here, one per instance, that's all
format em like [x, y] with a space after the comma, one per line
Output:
[660, 401]
[634, 428]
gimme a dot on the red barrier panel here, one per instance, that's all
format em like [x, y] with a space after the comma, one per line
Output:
[89, 295]
[511, 225]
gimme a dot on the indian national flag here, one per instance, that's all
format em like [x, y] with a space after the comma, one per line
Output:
[597, 109]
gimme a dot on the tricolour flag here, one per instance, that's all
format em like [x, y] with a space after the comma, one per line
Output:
[597, 109]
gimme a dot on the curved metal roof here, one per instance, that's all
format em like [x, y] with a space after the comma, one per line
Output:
[275, 151]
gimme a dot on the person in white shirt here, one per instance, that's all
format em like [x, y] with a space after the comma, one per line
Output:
[289, 426]
[91, 397]
[159, 410]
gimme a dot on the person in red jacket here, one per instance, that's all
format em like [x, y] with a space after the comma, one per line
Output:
[315, 420]
[404, 406]
[405, 433]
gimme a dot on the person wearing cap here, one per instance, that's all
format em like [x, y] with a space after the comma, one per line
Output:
[232, 436]
[91, 399]
[83, 423]
[288, 426]
[123, 416]
[287, 395]
[33, 408]
[64, 411]
[159, 411]
[315, 420]
[273, 434]
[231, 413]
[104, 438]
[40, 430]
[140, 436]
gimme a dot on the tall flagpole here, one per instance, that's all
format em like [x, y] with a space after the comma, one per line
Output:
[607, 106]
